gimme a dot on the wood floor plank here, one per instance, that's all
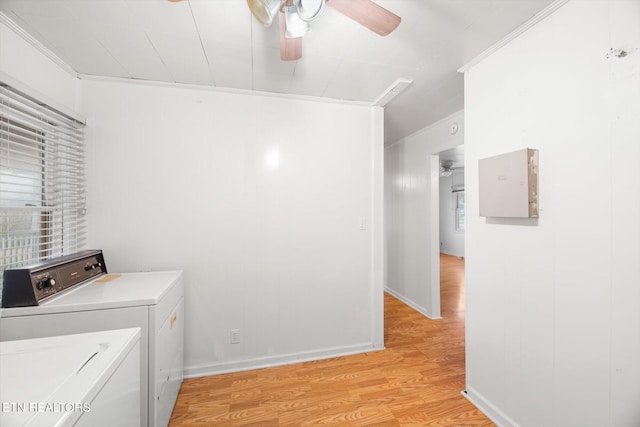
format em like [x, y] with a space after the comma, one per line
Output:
[415, 381]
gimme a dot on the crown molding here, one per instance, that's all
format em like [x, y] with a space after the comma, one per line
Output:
[192, 86]
[515, 33]
[17, 29]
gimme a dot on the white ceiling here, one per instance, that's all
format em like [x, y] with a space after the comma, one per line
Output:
[218, 43]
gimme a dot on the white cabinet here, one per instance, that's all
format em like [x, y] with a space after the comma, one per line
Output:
[508, 185]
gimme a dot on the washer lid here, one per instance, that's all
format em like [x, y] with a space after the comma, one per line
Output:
[45, 381]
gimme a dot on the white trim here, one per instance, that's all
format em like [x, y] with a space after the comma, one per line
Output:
[487, 408]
[272, 361]
[41, 98]
[399, 86]
[434, 232]
[417, 307]
[90, 77]
[377, 228]
[515, 33]
[426, 128]
[13, 26]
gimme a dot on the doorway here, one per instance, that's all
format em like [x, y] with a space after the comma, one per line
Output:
[451, 202]
[448, 224]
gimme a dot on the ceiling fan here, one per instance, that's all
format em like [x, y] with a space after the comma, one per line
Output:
[447, 168]
[295, 15]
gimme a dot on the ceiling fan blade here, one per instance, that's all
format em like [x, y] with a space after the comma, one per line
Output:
[365, 12]
[290, 49]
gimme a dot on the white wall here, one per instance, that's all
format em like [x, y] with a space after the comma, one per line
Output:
[411, 171]
[181, 178]
[258, 200]
[28, 70]
[451, 240]
[43, 78]
[553, 305]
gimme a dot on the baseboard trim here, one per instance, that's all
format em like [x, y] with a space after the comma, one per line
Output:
[417, 307]
[280, 360]
[487, 408]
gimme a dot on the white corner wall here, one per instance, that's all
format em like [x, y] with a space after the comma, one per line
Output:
[451, 240]
[259, 200]
[22, 63]
[553, 305]
[411, 185]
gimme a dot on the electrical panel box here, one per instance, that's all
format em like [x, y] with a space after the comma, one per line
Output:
[509, 185]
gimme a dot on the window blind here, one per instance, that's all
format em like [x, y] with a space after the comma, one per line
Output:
[42, 194]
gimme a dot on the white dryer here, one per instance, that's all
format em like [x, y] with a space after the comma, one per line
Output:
[74, 294]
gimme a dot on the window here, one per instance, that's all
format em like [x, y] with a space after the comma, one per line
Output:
[41, 181]
[459, 210]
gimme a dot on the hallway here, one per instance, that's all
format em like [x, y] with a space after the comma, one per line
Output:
[416, 380]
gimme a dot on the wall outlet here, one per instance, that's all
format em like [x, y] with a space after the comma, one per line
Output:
[234, 336]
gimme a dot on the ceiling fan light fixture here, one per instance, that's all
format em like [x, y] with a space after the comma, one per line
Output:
[264, 10]
[308, 10]
[295, 27]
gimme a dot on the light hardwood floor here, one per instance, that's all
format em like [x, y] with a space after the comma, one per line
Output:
[415, 381]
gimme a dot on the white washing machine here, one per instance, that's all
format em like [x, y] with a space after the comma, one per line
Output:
[74, 294]
[89, 379]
